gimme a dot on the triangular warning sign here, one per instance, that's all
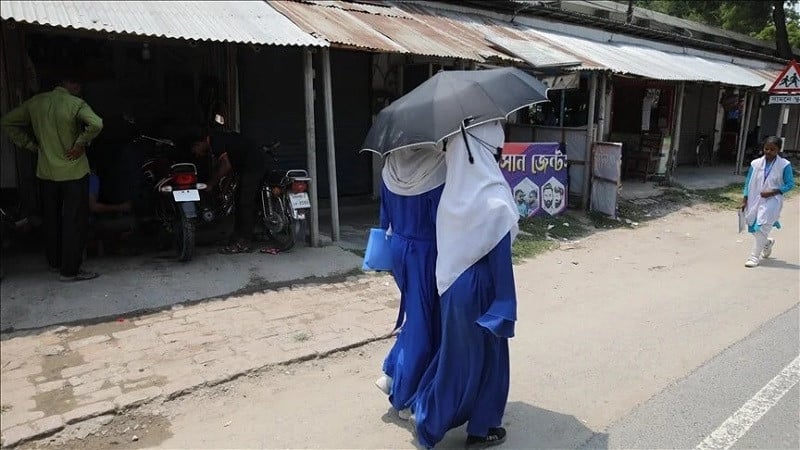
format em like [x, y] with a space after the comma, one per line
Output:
[788, 82]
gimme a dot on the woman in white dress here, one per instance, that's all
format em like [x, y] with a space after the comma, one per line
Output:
[768, 180]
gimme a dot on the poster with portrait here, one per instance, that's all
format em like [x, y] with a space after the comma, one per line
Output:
[537, 173]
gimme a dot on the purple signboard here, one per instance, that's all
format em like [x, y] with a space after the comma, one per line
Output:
[537, 173]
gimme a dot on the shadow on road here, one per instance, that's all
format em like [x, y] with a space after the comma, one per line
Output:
[779, 264]
[529, 427]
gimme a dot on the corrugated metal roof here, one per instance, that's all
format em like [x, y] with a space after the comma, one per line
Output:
[336, 25]
[535, 53]
[586, 6]
[657, 64]
[249, 22]
[390, 27]
[633, 56]
[467, 31]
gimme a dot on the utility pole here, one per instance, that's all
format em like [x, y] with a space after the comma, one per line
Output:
[629, 19]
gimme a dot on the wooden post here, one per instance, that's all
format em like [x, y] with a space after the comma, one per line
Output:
[602, 110]
[311, 144]
[332, 185]
[587, 165]
[676, 134]
[782, 120]
[744, 129]
[718, 121]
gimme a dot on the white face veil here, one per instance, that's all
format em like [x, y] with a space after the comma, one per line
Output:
[477, 207]
[414, 171]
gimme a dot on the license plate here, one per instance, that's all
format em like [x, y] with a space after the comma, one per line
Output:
[188, 195]
[300, 200]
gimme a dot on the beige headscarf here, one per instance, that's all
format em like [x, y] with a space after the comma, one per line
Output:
[414, 171]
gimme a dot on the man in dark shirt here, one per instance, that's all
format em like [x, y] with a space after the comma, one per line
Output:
[108, 222]
[234, 153]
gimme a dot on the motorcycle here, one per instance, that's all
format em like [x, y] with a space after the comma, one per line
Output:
[177, 206]
[285, 204]
[169, 193]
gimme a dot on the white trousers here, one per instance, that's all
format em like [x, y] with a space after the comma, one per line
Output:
[761, 238]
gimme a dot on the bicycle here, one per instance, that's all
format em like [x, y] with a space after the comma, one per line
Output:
[703, 152]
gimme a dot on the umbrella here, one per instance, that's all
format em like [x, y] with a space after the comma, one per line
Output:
[438, 107]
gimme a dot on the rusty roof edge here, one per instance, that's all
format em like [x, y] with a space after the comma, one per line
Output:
[342, 5]
[306, 24]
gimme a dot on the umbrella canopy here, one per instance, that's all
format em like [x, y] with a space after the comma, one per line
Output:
[437, 108]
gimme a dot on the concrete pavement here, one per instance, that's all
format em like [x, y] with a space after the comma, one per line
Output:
[34, 298]
[62, 375]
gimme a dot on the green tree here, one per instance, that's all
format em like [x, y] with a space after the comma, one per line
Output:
[752, 17]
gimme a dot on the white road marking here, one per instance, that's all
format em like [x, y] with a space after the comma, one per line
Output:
[751, 412]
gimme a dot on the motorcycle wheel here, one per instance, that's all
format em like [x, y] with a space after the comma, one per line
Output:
[184, 238]
[298, 231]
[278, 225]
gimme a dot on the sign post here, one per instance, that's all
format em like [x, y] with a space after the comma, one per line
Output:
[785, 90]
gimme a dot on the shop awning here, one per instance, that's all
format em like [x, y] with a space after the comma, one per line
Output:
[246, 22]
[659, 61]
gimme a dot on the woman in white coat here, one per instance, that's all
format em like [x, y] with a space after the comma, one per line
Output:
[768, 180]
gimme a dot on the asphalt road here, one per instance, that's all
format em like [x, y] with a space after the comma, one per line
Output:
[647, 338]
[657, 337]
[687, 412]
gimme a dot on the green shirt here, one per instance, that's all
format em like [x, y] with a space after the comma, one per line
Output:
[51, 123]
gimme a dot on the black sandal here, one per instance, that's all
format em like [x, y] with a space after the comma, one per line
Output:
[496, 436]
[82, 275]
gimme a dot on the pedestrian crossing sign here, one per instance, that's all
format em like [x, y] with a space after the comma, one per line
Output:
[788, 82]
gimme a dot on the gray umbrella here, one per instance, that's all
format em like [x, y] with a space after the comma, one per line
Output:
[437, 108]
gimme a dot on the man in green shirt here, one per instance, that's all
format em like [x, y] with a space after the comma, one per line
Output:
[58, 125]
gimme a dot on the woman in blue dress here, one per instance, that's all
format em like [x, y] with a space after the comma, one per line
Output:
[468, 380]
[412, 185]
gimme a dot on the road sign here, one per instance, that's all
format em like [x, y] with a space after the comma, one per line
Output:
[788, 82]
[784, 99]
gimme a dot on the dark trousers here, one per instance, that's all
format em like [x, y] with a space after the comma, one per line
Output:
[246, 197]
[65, 213]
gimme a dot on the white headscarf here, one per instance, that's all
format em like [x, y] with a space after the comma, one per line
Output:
[414, 171]
[477, 207]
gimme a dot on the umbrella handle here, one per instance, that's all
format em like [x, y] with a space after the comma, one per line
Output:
[466, 141]
[498, 154]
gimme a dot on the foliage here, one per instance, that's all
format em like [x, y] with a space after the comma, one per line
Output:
[793, 28]
[750, 17]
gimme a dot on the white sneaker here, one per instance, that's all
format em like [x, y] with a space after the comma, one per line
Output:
[384, 383]
[404, 414]
[752, 262]
[768, 248]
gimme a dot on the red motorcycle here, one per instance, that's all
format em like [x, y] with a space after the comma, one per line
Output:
[178, 206]
[285, 204]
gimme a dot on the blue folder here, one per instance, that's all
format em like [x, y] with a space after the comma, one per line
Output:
[378, 257]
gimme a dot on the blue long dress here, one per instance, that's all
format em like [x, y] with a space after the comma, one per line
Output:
[468, 379]
[413, 243]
